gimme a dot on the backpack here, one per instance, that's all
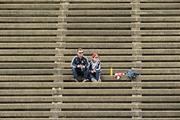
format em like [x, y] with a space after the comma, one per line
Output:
[132, 74]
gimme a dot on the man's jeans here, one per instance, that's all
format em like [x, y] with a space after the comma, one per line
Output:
[80, 72]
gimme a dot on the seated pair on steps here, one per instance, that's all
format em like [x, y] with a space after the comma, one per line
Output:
[85, 70]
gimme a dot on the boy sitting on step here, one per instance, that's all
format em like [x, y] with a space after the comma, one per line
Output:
[95, 68]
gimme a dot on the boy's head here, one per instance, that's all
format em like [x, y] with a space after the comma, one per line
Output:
[95, 56]
[80, 52]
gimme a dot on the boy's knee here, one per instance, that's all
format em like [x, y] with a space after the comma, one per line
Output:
[97, 71]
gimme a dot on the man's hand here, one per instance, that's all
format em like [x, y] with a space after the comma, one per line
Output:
[81, 66]
[93, 71]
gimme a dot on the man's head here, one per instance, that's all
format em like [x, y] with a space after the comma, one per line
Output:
[80, 52]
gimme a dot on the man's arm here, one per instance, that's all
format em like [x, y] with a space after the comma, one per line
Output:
[86, 62]
[73, 63]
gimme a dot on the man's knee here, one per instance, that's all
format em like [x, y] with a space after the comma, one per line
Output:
[75, 70]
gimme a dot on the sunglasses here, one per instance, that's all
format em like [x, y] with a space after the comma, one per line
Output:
[80, 52]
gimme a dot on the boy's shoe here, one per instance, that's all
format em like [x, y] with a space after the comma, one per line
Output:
[99, 80]
[93, 80]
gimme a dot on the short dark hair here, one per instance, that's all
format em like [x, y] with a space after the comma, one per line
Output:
[79, 49]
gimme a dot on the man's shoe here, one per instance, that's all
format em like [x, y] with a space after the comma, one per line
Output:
[76, 80]
[85, 80]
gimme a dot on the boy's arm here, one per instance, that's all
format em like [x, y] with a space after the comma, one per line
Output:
[99, 66]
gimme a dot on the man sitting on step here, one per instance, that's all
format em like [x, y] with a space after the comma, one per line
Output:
[80, 67]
